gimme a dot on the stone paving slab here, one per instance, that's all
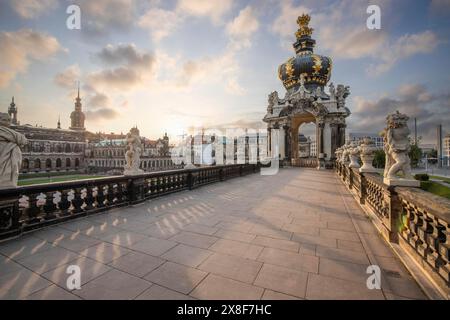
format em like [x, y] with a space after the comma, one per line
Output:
[288, 236]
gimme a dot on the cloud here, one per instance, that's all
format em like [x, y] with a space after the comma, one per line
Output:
[215, 10]
[160, 22]
[100, 17]
[241, 28]
[341, 32]
[30, 9]
[102, 114]
[125, 54]
[440, 7]
[130, 68]
[67, 78]
[415, 100]
[99, 100]
[22, 47]
[404, 47]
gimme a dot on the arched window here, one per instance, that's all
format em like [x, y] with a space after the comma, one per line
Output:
[77, 163]
[37, 163]
[25, 164]
[48, 164]
[68, 149]
[58, 163]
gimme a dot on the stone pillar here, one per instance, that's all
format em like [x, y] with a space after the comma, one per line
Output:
[287, 143]
[269, 141]
[335, 139]
[320, 128]
[281, 146]
[342, 134]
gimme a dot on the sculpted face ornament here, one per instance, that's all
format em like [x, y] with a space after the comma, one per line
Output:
[396, 147]
[10, 153]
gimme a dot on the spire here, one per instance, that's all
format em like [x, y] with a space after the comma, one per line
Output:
[78, 96]
[59, 122]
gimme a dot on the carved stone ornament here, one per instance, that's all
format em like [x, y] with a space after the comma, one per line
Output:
[353, 151]
[345, 153]
[10, 153]
[338, 153]
[367, 151]
[133, 153]
[396, 147]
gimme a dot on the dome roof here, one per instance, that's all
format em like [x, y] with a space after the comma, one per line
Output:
[314, 69]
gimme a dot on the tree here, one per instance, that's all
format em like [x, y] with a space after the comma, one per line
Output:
[415, 154]
[380, 159]
[433, 155]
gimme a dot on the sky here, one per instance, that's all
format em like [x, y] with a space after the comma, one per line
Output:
[167, 66]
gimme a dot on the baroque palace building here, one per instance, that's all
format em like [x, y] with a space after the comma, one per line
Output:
[76, 149]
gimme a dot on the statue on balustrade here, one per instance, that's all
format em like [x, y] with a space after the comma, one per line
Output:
[345, 153]
[396, 147]
[367, 151]
[353, 151]
[10, 153]
[133, 153]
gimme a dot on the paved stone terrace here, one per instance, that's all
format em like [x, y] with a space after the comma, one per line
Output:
[296, 235]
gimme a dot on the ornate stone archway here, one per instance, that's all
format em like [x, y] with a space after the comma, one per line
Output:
[304, 78]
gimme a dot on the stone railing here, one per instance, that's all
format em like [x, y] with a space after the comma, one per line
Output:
[305, 162]
[26, 208]
[416, 220]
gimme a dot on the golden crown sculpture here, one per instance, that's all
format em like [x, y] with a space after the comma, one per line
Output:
[304, 29]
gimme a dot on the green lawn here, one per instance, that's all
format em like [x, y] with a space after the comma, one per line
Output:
[435, 188]
[440, 178]
[32, 181]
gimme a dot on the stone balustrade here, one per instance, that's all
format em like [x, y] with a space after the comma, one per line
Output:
[27, 208]
[416, 220]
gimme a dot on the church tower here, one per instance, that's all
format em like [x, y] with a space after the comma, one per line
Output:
[77, 116]
[12, 111]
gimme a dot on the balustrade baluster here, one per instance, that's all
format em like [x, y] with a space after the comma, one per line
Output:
[89, 200]
[101, 196]
[77, 201]
[33, 209]
[64, 204]
[49, 206]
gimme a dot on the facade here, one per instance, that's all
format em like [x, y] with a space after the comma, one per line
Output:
[78, 150]
[359, 136]
[108, 155]
[446, 153]
[305, 101]
[50, 149]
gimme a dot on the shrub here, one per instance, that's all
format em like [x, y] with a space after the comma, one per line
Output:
[422, 177]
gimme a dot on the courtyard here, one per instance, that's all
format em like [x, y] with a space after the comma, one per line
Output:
[296, 235]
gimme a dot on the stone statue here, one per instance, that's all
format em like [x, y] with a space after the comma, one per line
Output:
[338, 154]
[396, 147]
[353, 152]
[133, 153]
[10, 153]
[332, 91]
[342, 92]
[273, 101]
[345, 153]
[367, 153]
